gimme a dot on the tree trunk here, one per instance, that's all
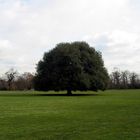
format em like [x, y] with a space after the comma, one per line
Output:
[9, 85]
[69, 92]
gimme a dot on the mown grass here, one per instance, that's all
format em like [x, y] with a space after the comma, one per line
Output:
[109, 115]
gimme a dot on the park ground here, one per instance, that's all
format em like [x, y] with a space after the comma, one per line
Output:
[109, 115]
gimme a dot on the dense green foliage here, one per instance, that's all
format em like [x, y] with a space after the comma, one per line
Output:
[71, 66]
[109, 115]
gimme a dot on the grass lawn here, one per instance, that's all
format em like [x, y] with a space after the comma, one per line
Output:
[109, 115]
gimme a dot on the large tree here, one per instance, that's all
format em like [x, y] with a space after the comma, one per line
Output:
[71, 66]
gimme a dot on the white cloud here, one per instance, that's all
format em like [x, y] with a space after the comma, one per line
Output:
[122, 50]
[30, 27]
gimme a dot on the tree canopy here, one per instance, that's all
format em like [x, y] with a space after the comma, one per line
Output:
[71, 66]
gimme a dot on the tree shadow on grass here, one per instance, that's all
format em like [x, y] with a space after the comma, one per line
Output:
[45, 94]
[65, 95]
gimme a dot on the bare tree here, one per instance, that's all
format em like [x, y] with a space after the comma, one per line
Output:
[3, 84]
[24, 81]
[116, 78]
[124, 80]
[134, 78]
[29, 80]
[10, 76]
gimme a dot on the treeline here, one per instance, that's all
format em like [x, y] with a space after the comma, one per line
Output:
[12, 80]
[124, 80]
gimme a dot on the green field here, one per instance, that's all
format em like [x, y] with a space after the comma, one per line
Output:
[109, 115]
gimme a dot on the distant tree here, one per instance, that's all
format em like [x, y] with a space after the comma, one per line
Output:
[134, 79]
[3, 84]
[124, 80]
[20, 83]
[29, 80]
[116, 78]
[10, 76]
[24, 81]
[71, 66]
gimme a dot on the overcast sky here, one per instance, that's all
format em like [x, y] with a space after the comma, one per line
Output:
[28, 28]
